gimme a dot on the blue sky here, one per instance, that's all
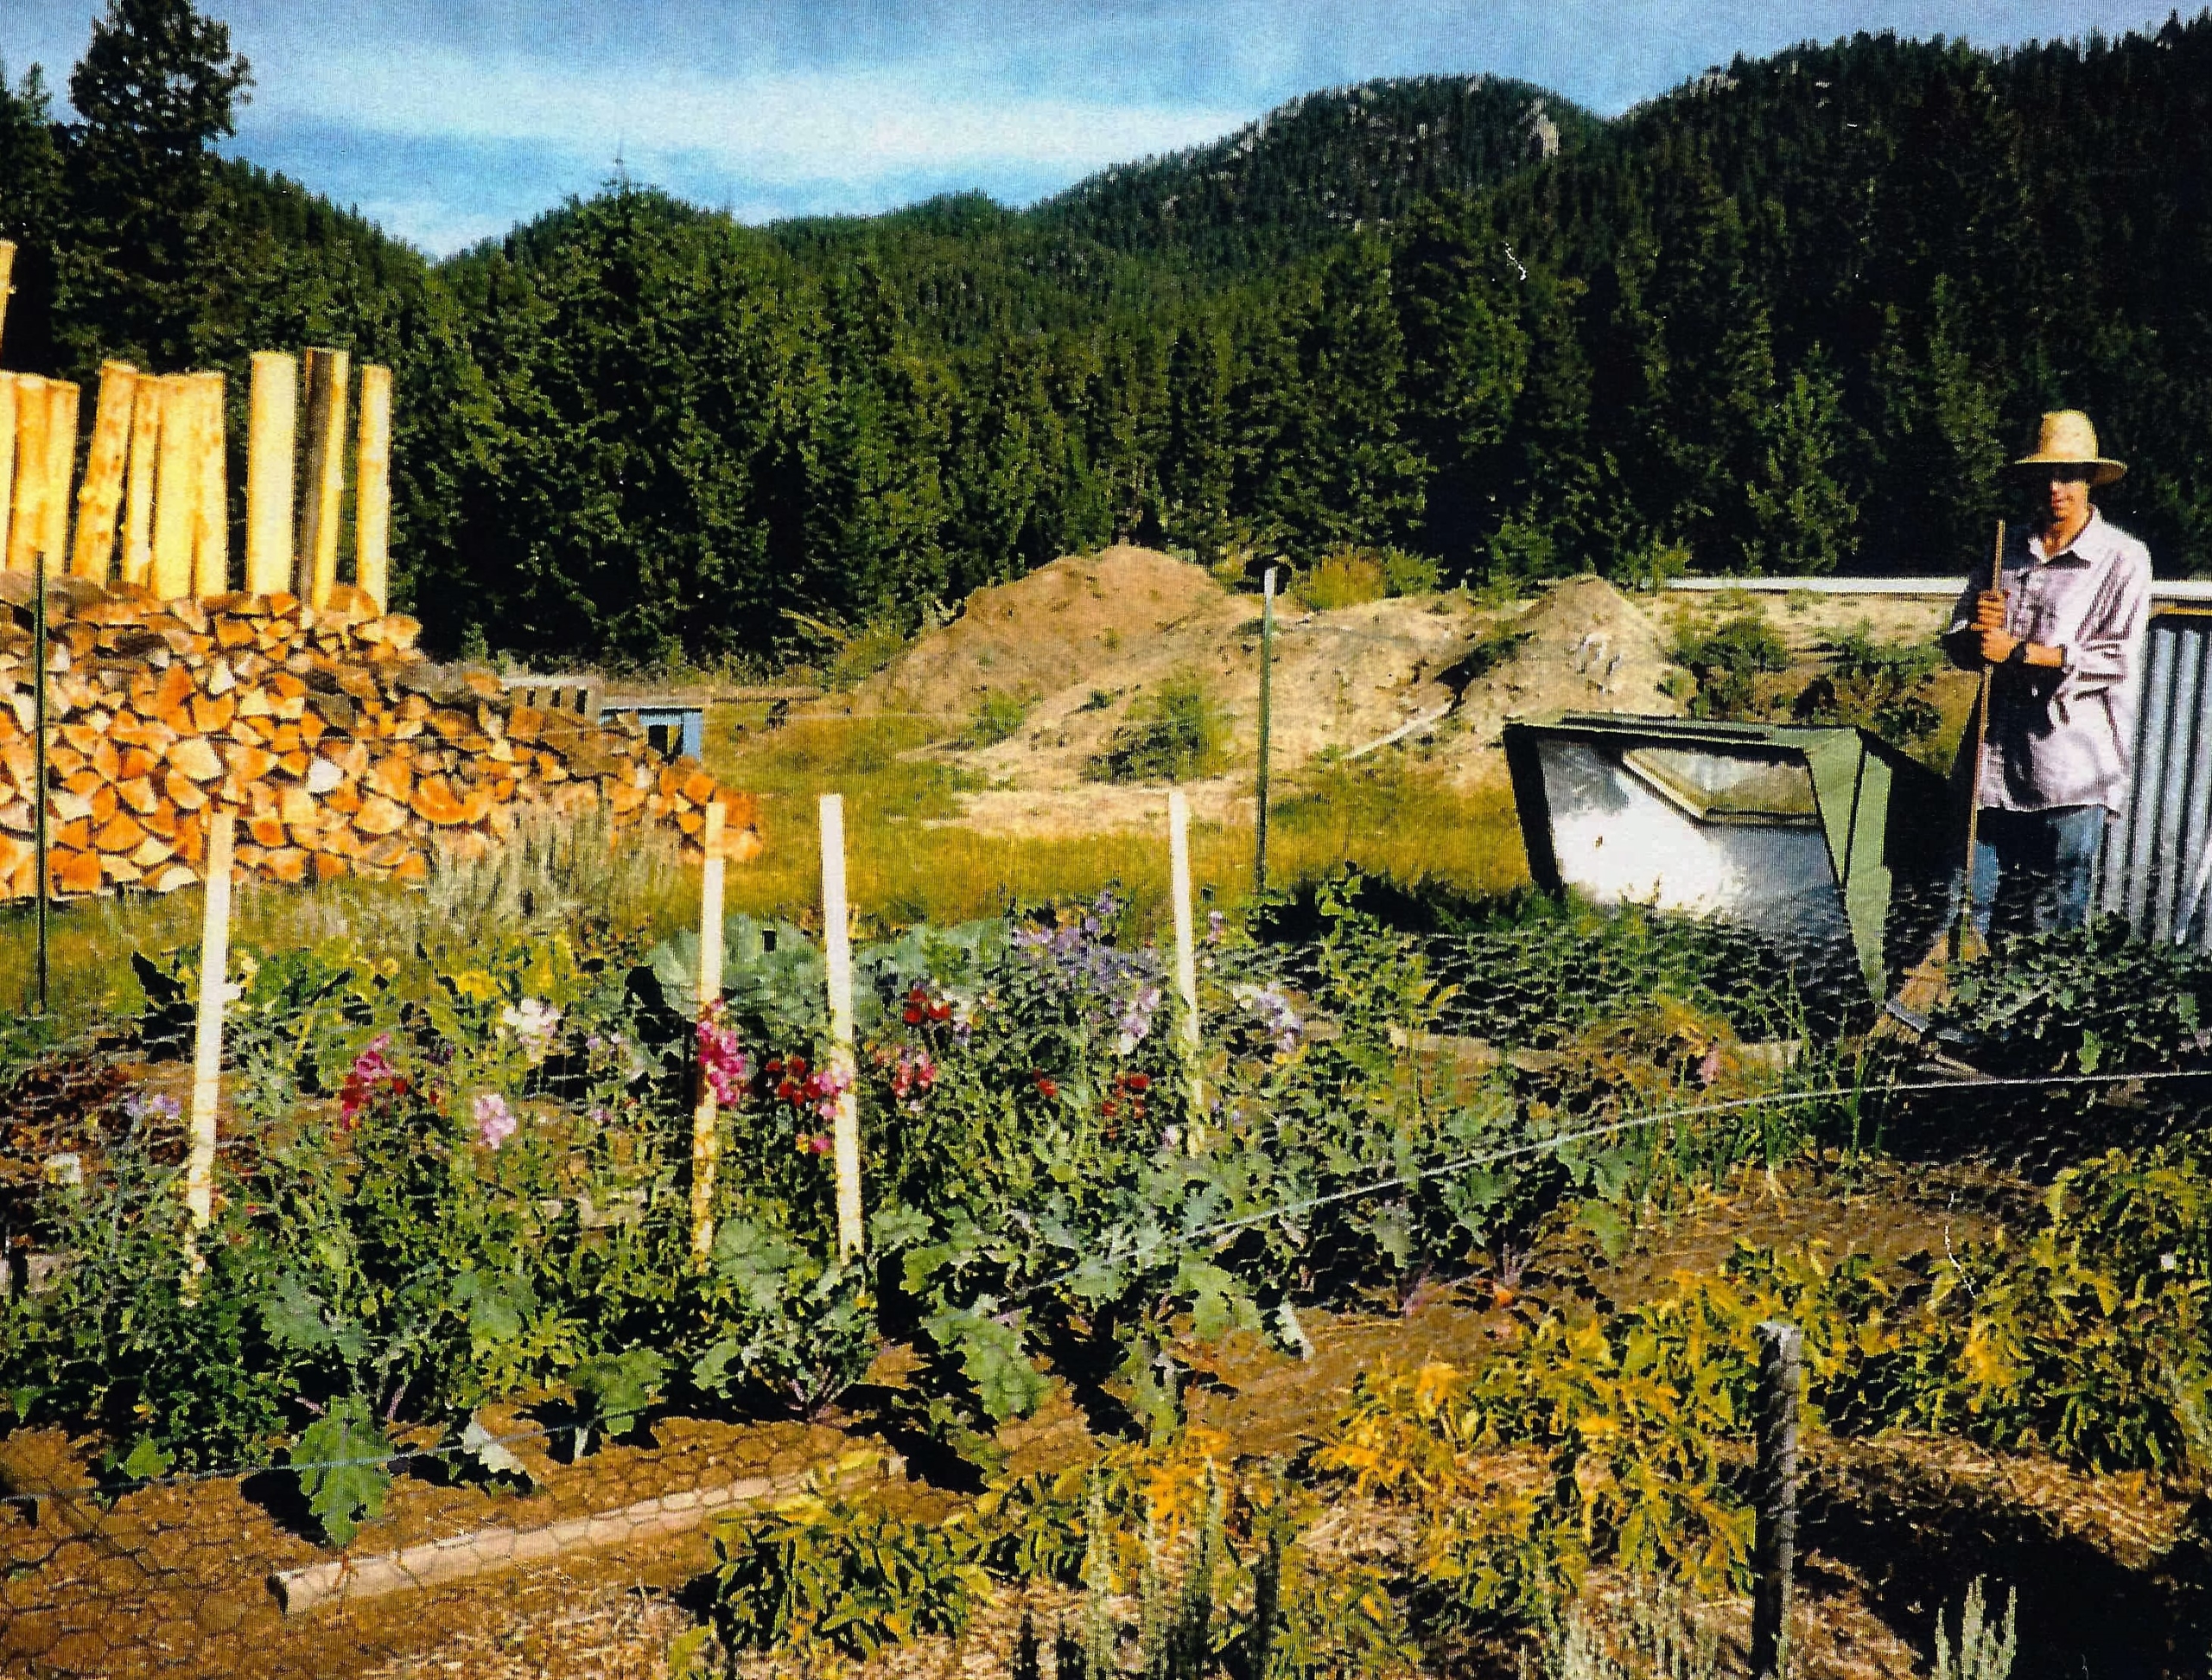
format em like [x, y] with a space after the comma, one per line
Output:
[448, 121]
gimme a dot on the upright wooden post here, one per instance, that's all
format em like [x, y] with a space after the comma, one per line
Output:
[373, 488]
[41, 846]
[7, 278]
[706, 1136]
[270, 446]
[148, 405]
[7, 461]
[27, 521]
[1187, 956]
[322, 490]
[1267, 698]
[208, 1035]
[1774, 1544]
[176, 489]
[837, 954]
[211, 526]
[101, 498]
[60, 473]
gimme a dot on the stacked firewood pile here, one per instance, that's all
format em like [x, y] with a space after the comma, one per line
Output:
[341, 749]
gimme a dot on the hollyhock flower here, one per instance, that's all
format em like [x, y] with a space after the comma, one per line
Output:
[722, 1064]
[533, 1021]
[371, 1076]
[495, 1123]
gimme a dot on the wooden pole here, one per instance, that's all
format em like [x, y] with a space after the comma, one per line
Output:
[837, 954]
[1969, 941]
[27, 524]
[322, 489]
[207, 1036]
[7, 461]
[101, 498]
[1774, 1546]
[176, 489]
[272, 423]
[7, 277]
[147, 406]
[1186, 956]
[706, 1136]
[1266, 696]
[60, 472]
[373, 488]
[211, 527]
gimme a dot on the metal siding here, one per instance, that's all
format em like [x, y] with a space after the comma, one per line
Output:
[2153, 851]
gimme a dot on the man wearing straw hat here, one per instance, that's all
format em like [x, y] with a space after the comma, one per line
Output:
[2062, 640]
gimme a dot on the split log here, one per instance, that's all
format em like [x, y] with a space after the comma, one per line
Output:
[60, 470]
[100, 499]
[146, 400]
[27, 518]
[270, 446]
[211, 526]
[373, 488]
[322, 487]
[177, 487]
[7, 452]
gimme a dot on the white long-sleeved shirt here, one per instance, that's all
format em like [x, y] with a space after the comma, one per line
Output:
[2065, 736]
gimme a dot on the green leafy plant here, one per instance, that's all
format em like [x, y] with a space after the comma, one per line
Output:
[999, 717]
[344, 1464]
[1727, 662]
[1173, 732]
[1981, 1650]
[1882, 686]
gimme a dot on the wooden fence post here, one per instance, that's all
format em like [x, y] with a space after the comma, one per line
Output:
[101, 497]
[60, 473]
[837, 961]
[148, 406]
[208, 1037]
[1774, 1544]
[7, 460]
[323, 491]
[373, 488]
[271, 424]
[706, 1136]
[1186, 963]
[211, 525]
[177, 487]
[1266, 696]
[27, 524]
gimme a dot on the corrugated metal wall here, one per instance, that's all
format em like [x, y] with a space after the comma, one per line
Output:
[2156, 869]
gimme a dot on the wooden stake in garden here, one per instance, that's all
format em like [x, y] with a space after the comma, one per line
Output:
[837, 960]
[1267, 695]
[1186, 956]
[1774, 1544]
[706, 1133]
[208, 1035]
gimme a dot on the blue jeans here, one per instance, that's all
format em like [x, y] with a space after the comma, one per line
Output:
[2037, 866]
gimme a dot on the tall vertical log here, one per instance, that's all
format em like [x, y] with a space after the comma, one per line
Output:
[322, 487]
[27, 518]
[100, 499]
[7, 461]
[211, 530]
[7, 276]
[147, 406]
[176, 489]
[271, 447]
[60, 472]
[837, 964]
[372, 487]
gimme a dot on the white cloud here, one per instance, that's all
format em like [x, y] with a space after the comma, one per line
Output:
[787, 128]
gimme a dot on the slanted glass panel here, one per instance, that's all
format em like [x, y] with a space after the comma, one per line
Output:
[1717, 786]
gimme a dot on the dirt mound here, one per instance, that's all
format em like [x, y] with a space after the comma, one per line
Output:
[1081, 615]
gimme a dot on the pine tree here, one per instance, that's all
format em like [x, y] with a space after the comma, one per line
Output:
[143, 264]
[1802, 519]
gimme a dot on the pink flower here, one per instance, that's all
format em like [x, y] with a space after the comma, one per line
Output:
[494, 1123]
[722, 1064]
[371, 1076]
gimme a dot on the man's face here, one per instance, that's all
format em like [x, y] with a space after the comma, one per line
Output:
[2068, 497]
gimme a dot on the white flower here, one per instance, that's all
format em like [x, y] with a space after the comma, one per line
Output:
[533, 1021]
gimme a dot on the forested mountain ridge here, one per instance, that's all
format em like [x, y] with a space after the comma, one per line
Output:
[1792, 317]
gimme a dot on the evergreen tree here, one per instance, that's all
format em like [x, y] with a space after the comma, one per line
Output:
[143, 264]
[1801, 518]
[31, 206]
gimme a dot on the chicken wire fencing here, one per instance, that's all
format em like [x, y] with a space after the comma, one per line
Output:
[1571, 1071]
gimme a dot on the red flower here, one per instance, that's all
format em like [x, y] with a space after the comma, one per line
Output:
[1139, 1082]
[1046, 1089]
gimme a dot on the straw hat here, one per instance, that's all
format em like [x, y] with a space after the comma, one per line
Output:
[2068, 440]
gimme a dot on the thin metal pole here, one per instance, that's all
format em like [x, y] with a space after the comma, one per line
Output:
[38, 753]
[1774, 1544]
[1267, 695]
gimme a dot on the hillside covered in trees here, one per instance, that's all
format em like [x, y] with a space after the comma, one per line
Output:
[1792, 317]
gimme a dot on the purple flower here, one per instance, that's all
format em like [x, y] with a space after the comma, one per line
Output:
[1277, 1018]
[1216, 926]
[495, 1125]
[142, 1108]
